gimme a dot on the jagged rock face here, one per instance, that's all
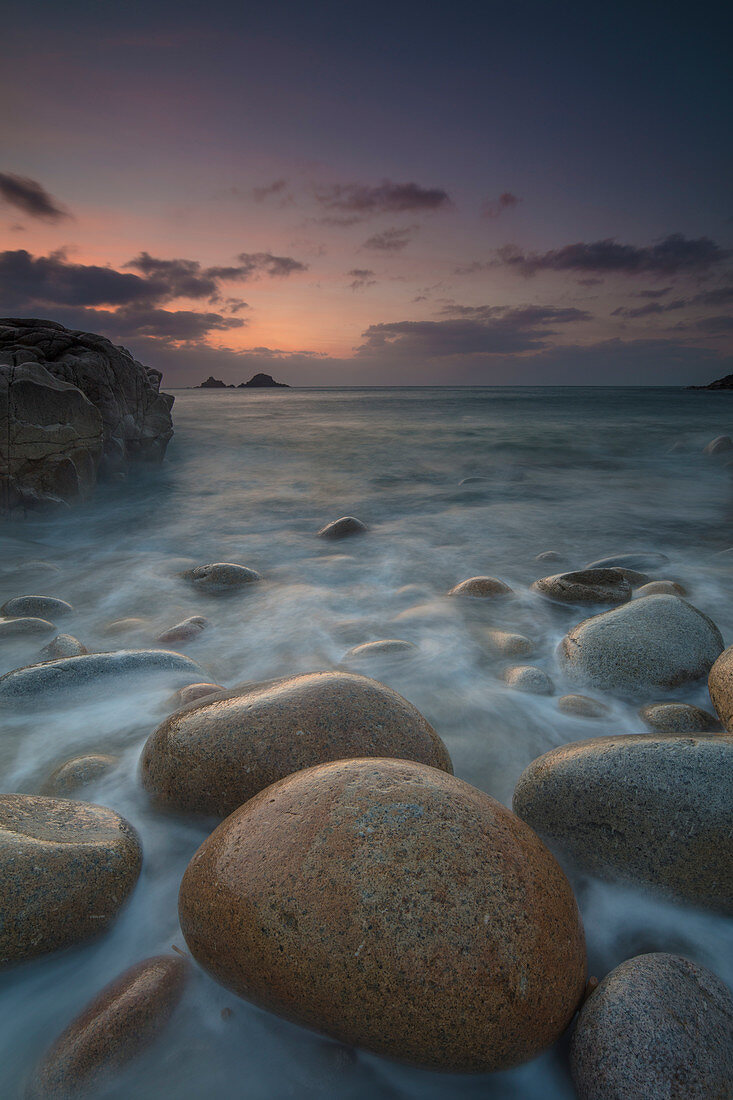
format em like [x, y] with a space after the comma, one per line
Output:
[70, 403]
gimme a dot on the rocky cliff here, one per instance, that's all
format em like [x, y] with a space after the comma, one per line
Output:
[72, 406]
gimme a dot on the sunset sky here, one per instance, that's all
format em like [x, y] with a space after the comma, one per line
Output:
[396, 193]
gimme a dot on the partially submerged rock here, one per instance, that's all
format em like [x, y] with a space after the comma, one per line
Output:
[640, 560]
[585, 586]
[65, 870]
[649, 808]
[63, 645]
[395, 908]
[385, 647]
[721, 445]
[185, 631]
[660, 588]
[481, 588]
[720, 686]
[505, 644]
[221, 577]
[78, 772]
[343, 528]
[529, 679]
[212, 756]
[582, 706]
[658, 1026]
[678, 718]
[25, 628]
[37, 607]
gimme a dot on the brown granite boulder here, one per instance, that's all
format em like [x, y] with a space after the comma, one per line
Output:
[582, 706]
[646, 808]
[65, 869]
[77, 772]
[191, 692]
[122, 1020]
[602, 586]
[658, 1027]
[678, 718]
[660, 588]
[212, 756]
[185, 631]
[720, 686]
[395, 908]
[481, 588]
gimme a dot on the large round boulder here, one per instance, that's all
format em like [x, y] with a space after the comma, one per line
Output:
[118, 1023]
[720, 686]
[648, 808]
[585, 586]
[65, 869]
[395, 908]
[212, 756]
[655, 642]
[657, 1027]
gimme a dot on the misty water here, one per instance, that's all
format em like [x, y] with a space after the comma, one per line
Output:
[249, 478]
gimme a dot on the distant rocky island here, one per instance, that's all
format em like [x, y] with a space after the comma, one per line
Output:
[257, 381]
[719, 384]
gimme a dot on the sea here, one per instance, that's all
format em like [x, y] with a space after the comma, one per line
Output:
[250, 477]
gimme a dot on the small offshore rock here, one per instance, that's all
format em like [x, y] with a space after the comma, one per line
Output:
[585, 586]
[192, 692]
[720, 686]
[651, 808]
[397, 909]
[481, 588]
[582, 706]
[212, 757]
[638, 561]
[221, 577]
[35, 607]
[660, 588]
[658, 1026]
[505, 644]
[65, 869]
[679, 718]
[78, 772]
[653, 642]
[386, 647]
[42, 683]
[343, 528]
[184, 631]
[24, 628]
[121, 1021]
[529, 679]
[63, 645]
[722, 444]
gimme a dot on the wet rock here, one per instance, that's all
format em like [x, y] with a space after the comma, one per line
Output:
[550, 555]
[637, 561]
[192, 692]
[660, 588]
[125, 626]
[212, 757]
[633, 576]
[679, 718]
[78, 772]
[184, 631]
[63, 645]
[658, 1026]
[582, 706]
[529, 679]
[342, 528]
[648, 808]
[504, 644]
[653, 642]
[721, 445]
[475, 480]
[121, 1021]
[65, 869]
[386, 647]
[585, 586]
[481, 588]
[24, 628]
[221, 577]
[37, 684]
[36, 607]
[397, 909]
[720, 686]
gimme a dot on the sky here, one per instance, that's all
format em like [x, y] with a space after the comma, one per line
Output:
[510, 193]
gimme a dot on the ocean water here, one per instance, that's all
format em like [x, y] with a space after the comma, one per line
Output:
[250, 477]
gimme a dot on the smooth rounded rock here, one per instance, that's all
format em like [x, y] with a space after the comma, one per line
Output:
[550, 555]
[221, 577]
[660, 588]
[505, 644]
[386, 647]
[36, 607]
[65, 870]
[582, 706]
[633, 576]
[192, 692]
[394, 908]
[585, 586]
[343, 528]
[649, 808]
[641, 560]
[657, 1027]
[678, 718]
[657, 641]
[77, 772]
[185, 631]
[39, 684]
[720, 686]
[211, 757]
[24, 628]
[481, 588]
[529, 679]
[721, 445]
[125, 626]
[116, 1025]
[63, 645]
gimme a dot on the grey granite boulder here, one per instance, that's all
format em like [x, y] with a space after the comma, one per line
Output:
[657, 1027]
[39, 607]
[654, 642]
[24, 628]
[582, 706]
[528, 679]
[650, 808]
[221, 577]
[63, 645]
[585, 586]
[678, 718]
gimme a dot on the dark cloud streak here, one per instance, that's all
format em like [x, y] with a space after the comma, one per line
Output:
[29, 196]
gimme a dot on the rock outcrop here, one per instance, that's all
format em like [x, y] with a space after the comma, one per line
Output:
[263, 380]
[72, 405]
